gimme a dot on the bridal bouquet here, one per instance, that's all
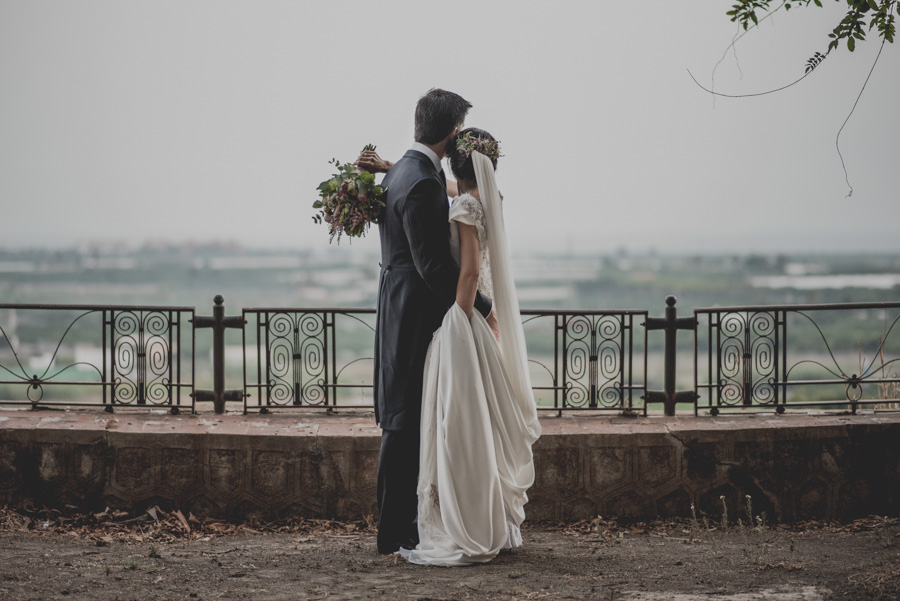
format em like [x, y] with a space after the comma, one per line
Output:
[349, 201]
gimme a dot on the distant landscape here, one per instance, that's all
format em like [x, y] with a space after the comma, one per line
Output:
[346, 276]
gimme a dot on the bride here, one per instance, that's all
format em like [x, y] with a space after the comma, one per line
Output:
[478, 412]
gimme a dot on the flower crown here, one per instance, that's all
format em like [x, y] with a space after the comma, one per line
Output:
[469, 141]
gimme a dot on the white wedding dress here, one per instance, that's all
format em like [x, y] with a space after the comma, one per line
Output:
[479, 419]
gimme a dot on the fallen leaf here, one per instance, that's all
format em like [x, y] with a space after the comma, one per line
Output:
[183, 521]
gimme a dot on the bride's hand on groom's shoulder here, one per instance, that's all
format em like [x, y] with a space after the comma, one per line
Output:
[371, 162]
[492, 322]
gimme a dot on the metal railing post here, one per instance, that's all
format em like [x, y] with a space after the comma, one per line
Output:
[219, 322]
[671, 323]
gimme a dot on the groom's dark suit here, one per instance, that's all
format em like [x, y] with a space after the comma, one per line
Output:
[416, 288]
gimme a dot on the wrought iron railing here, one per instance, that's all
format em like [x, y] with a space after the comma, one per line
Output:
[744, 358]
[292, 359]
[307, 358]
[134, 355]
[592, 365]
[774, 357]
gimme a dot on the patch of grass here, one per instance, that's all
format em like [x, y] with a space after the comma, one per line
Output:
[130, 563]
[749, 509]
[755, 547]
[154, 552]
[724, 514]
[695, 525]
[884, 532]
[755, 552]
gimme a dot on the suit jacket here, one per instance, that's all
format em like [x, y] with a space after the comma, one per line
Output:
[416, 288]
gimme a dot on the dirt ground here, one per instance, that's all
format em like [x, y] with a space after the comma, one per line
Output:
[167, 556]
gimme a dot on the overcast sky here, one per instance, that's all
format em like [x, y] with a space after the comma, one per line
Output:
[212, 120]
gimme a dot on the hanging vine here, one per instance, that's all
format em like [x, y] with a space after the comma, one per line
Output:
[862, 17]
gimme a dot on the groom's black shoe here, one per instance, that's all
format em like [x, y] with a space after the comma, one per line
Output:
[387, 549]
[411, 543]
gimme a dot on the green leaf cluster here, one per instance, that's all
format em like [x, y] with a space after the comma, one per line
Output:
[861, 16]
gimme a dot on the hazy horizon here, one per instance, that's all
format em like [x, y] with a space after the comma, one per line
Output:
[370, 248]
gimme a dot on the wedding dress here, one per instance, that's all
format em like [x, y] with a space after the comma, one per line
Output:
[479, 419]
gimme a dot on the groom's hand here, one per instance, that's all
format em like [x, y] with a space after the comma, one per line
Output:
[492, 322]
[371, 162]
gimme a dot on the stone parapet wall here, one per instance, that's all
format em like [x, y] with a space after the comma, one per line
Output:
[793, 467]
[315, 465]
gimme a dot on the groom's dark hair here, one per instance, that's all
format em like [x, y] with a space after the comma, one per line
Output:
[437, 113]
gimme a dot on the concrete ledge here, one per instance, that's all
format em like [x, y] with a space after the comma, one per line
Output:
[315, 465]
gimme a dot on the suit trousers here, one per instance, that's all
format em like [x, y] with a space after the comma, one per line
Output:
[398, 476]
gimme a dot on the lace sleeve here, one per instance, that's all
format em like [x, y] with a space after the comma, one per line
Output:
[469, 210]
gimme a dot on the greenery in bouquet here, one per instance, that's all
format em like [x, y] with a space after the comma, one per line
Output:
[349, 201]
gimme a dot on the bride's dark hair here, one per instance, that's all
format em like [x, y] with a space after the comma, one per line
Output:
[461, 148]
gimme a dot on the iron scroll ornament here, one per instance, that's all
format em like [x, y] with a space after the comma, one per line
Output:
[141, 357]
[593, 354]
[747, 365]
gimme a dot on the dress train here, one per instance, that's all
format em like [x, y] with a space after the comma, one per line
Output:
[475, 461]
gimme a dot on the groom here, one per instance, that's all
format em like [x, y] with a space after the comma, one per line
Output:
[416, 288]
